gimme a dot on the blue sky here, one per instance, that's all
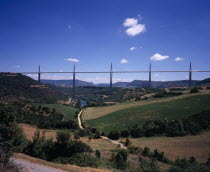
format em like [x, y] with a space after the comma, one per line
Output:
[94, 33]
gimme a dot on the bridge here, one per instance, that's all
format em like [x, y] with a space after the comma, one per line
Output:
[74, 72]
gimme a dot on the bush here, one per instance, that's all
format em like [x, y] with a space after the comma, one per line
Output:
[127, 142]
[146, 151]
[98, 154]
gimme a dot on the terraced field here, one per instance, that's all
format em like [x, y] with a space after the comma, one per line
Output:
[121, 116]
[68, 111]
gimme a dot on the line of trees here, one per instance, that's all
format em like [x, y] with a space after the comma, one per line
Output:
[191, 125]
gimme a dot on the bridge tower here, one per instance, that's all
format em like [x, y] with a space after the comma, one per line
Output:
[190, 75]
[73, 89]
[111, 80]
[150, 77]
[39, 75]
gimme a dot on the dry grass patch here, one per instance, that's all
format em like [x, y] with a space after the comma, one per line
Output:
[29, 131]
[100, 144]
[197, 146]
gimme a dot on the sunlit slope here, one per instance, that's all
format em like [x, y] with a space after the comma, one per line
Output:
[172, 108]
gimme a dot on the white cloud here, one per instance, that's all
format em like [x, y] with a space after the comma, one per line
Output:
[72, 60]
[135, 30]
[129, 22]
[124, 61]
[132, 48]
[158, 57]
[178, 59]
[17, 66]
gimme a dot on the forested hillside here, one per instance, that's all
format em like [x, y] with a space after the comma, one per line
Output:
[18, 87]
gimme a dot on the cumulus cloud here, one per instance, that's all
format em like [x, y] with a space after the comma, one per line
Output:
[72, 60]
[124, 61]
[132, 48]
[129, 22]
[178, 59]
[158, 56]
[134, 28]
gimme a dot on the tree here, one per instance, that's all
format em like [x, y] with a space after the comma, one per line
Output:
[121, 159]
[114, 135]
[63, 137]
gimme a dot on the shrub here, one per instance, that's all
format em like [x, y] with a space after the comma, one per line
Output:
[146, 151]
[127, 142]
[98, 154]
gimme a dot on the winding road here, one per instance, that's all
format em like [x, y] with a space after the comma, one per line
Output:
[116, 142]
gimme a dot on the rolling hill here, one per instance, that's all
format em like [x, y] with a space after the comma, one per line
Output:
[18, 87]
[124, 115]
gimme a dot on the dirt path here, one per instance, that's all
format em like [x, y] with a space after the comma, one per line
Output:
[96, 112]
[79, 119]
[116, 142]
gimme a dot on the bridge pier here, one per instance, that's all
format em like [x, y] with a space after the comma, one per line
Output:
[73, 89]
[190, 75]
[150, 76]
[111, 81]
[39, 75]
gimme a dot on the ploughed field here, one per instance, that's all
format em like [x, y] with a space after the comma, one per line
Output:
[121, 116]
[67, 111]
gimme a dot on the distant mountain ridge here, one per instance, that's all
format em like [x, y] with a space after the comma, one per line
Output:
[132, 84]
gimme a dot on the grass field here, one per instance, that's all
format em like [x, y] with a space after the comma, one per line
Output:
[198, 146]
[68, 111]
[168, 108]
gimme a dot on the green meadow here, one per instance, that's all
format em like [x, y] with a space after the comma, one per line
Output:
[173, 109]
[67, 111]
